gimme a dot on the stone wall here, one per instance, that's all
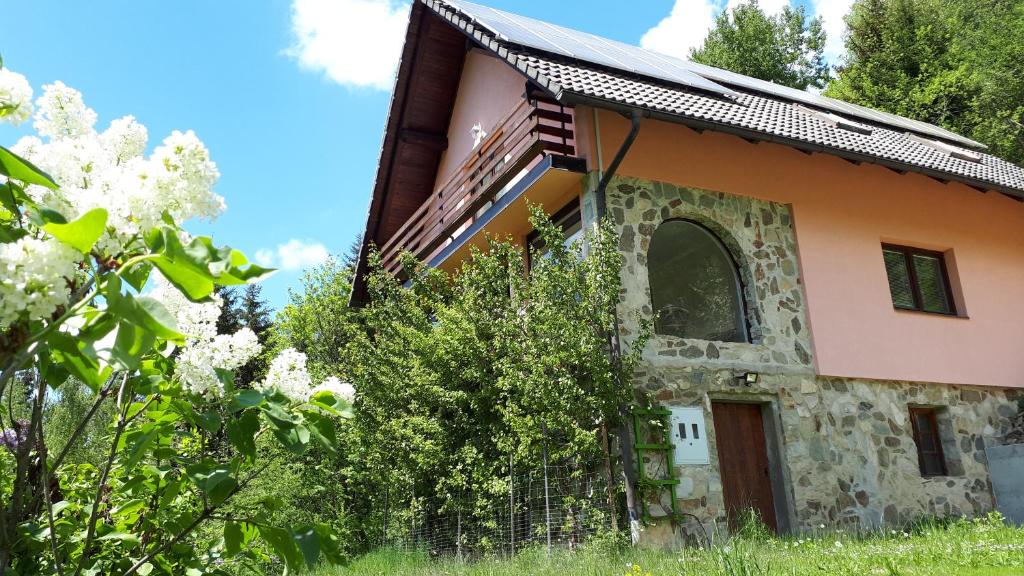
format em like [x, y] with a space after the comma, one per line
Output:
[759, 236]
[844, 447]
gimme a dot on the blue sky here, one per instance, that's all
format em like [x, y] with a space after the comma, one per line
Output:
[289, 95]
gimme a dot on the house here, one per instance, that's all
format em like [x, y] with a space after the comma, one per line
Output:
[837, 289]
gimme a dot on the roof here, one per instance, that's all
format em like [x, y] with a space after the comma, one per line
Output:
[581, 68]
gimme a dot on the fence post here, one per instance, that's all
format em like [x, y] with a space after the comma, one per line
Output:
[387, 493]
[547, 497]
[511, 506]
[458, 537]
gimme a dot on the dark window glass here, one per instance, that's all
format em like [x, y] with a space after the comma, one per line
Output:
[929, 445]
[695, 286]
[917, 279]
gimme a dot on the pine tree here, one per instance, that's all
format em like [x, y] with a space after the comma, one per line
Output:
[230, 319]
[254, 313]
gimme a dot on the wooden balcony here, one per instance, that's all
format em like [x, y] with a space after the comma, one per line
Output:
[536, 128]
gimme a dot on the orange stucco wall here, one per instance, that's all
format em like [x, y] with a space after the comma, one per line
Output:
[488, 90]
[842, 213]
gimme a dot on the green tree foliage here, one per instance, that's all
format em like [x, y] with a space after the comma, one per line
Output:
[457, 374]
[318, 320]
[954, 63]
[786, 49]
[454, 375]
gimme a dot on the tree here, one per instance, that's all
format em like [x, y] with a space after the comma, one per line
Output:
[230, 319]
[318, 319]
[787, 49]
[954, 63]
[254, 313]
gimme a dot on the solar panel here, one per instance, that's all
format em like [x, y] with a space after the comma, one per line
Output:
[580, 46]
[586, 47]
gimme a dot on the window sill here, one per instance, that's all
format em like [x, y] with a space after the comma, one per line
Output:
[927, 313]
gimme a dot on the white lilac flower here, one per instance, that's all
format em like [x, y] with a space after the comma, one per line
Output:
[109, 170]
[340, 390]
[34, 277]
[62, 113]
[195, 372]
[125, 139]
[196, 320]
[15, 97]
[288, 375]
[196, 367]
[184, 175]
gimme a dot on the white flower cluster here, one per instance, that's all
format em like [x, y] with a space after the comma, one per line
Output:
[196, 320]
[33, 278]
[108, 170]
[95, 170]
[288, 375]
[205, 351]
[15, 97]
[339, 389]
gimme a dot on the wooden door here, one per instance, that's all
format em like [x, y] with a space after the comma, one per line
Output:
[743, 461]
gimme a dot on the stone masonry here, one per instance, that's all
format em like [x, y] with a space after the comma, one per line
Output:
[845, 448]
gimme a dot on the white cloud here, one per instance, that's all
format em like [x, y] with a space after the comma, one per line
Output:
[832, 13]
[294, 254]
[353, 42]
[684, 28]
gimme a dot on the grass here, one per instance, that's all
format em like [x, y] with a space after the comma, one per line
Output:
[983, 547]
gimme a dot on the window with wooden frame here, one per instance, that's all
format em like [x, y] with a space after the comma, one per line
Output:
[918, 279]
[929, 444]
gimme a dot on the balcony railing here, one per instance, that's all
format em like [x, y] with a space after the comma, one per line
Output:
[534, 129]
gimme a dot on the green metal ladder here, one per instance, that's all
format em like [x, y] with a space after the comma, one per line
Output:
[664, 447]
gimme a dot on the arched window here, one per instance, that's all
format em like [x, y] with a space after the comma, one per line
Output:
[695, 285]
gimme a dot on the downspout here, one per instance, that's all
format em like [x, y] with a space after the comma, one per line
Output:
[634, 116]
[625, 431]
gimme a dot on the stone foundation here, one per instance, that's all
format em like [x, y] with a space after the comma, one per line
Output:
[846, 447]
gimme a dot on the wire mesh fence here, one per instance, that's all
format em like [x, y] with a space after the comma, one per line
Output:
[555, 506]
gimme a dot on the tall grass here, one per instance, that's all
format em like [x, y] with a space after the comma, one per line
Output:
[983, 547]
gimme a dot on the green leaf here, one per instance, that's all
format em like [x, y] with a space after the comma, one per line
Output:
[245, 399]
[195, 268]
[209, 421]
[130, 539]
[233, 538]
[133, 505]
[322, 430]
[74, 356]
[83, 233]
[16, 167]
[129, 345]
[294, 439]
[144, 311]
[145, 569]
[308, 542]
[138, 449]
[282, 543]
[242, 433]
[214, 479]
[137, 275]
